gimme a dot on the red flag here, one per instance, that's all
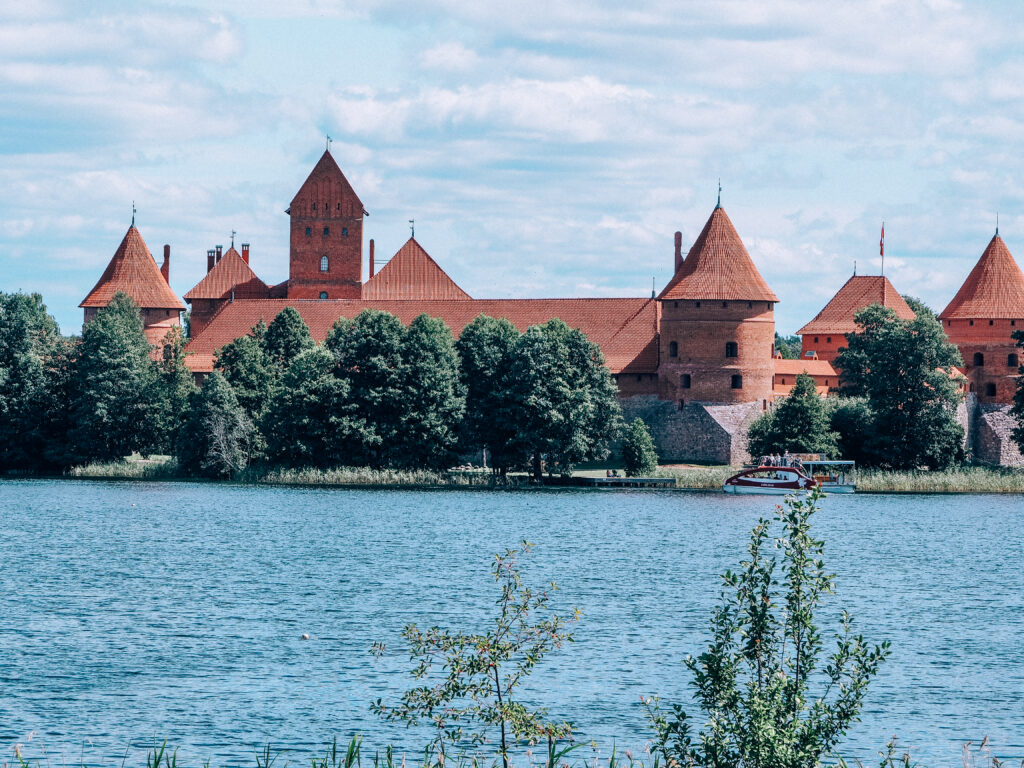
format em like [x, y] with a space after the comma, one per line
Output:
[881, 243]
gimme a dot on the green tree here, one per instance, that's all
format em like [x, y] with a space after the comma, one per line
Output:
[851, 419]
[471, 680]
[564, 396]
[919, 307]
[434, 397]
[788, 346]
[799, 424]
[175, 387]
[767, 699]
[905, 369]
[311, 421]
[114, 387]
[287, 337]
[638, 451]
[215, 439]
[250, 371]
[29, 337]
[486, 347]
[368, 354]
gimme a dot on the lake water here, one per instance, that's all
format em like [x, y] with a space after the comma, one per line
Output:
[134, 612]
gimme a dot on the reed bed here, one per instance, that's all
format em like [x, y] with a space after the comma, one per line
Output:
[955, 480]
[366, 476]
[131, 468]
[697, 478]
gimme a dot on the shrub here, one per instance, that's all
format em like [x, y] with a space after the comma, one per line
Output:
[638, 452]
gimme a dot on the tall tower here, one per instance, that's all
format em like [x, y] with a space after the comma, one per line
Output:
[717, 328]
[326, 254]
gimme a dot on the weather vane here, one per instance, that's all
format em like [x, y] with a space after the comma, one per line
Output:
[328, 142]
[412, 227]
[719, 193]
[133, 217]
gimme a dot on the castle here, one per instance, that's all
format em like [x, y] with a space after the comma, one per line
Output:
[697, 362]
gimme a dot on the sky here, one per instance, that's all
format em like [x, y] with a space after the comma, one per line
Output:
[544, 149]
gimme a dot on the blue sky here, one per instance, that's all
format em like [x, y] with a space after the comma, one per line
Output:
[545, 149]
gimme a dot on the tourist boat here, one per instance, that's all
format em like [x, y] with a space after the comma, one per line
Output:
[769, 480]
[831, 476]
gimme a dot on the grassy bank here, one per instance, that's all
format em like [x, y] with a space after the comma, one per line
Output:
[956, 480]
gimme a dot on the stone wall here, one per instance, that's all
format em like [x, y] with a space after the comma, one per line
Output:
[993, 438]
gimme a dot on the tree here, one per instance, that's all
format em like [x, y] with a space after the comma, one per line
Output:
[919, 307]
[799, 424]
[29, 337]
[486, 348]
[215, 439]
[851, 419]
[565, 400]
[114, 387]
[250, 371]
[765, 696]
[368, 354]
[905, 368]
[287, 337]
[638, 451]
[175, 387]
[480, 674]
[434, 396]
[788, 346]
[311, 421]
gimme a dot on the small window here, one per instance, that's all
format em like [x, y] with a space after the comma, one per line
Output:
[323, 264]
[323, 294]
[816, 340]
[979, 359]
[1013, 322]
[309, 231]
[970, 322]
[750, 305]
[783, 381]
[344, 231]
[696, 304]
[684, 381]
[673, 349]
[826, 382]
[737, 381]
[972, 387]
[675, 305]
[990, 390]
[725, 304]
[828, 339]
[1012, 360]
[991, 322]
[314, 206]
[731, 349]
[327, 231]
[339, 207]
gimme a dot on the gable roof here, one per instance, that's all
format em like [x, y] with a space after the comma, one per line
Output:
[324, 175]
[133, 271]
[858, 292]
[993, 289]
[412, 275]
[229, 274]
[718, 267]
[625, 329]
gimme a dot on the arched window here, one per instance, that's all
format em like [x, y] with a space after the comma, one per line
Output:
[323, 294]
[990, 390]
[1012, 360]
[737, 381]
[731, 349]
[979, 359]
[684, 381]
[323, 263]
[673, 349]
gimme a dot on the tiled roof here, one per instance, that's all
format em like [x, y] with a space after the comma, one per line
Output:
[625, 329]
[858, 292]
[718, 267]
[133, 271]
[412, 275]
[795, 367]
[229, 274]
[318, 184]
[993, 289]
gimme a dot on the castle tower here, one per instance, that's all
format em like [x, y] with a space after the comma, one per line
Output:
[717, 330]
[326, 254]
[228, 278]
[133, 271]
[988, 308]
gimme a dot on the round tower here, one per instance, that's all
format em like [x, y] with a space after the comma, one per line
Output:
[717, 328]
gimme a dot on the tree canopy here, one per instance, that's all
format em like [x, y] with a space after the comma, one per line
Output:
[638, 453]
[215, 438]
[799, 423]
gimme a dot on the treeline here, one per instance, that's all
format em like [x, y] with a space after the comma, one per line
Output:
[375, 393]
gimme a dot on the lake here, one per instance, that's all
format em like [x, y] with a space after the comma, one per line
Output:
[134, 612]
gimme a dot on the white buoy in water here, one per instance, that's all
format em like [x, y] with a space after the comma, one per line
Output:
[305, 636]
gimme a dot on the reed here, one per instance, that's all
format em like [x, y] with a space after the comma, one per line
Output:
[366, 476]
[698, 478]
[131, 468]
[954, 480]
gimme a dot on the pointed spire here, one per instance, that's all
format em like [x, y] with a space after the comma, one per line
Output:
[858, 292]
[993, 289]
[133, 270]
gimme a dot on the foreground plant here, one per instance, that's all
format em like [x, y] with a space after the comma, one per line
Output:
[480, 673]
[766, 697]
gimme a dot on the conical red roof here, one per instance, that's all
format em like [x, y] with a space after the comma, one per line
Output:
[325, 182]
[858, 292]
[993, 289]
[230, 274]
[412, 275]
[718, 267]
[133, 271]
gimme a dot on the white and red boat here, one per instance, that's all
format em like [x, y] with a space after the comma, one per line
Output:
[769, 480]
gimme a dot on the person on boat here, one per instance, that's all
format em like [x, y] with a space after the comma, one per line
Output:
[787, 459]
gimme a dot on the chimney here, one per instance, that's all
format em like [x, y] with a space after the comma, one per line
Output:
[165, 268]
[210, 256]
[220, 252]
[679, 250]
[245, 252]
[371, 257]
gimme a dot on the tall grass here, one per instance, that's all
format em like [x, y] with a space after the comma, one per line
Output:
[366, 476]
[955, 480]
[697, 478]
[131, 468]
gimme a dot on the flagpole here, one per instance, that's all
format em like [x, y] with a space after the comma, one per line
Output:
[881, 247]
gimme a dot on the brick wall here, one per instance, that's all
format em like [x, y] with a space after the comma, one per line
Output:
[325, 222]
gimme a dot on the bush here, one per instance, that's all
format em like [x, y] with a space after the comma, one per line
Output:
[638, 451]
